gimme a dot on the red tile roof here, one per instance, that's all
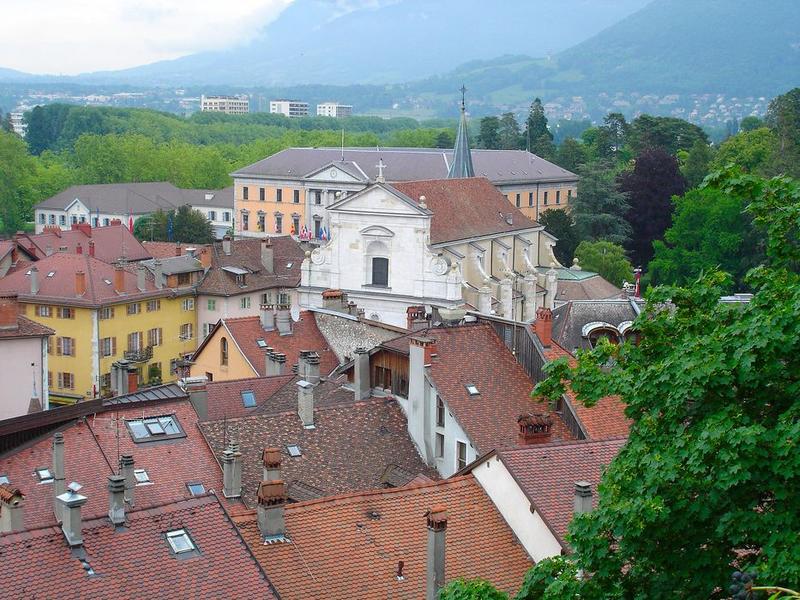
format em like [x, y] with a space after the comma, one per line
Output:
[26, 328]
[349, 546]
[349, 449]
[136, 561]
[465, 208]
[167, 249]
[225, 397]
[60, 287]
[111, 242]
[547, 474]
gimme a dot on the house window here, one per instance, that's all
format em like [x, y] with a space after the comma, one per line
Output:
[279, 195]
[558, 196]
[188, 304]
[223, 352]
[248, 399]
[211, 305]
[244, 302]
[106, 222]
[187, 332]
[179, 541]
[296, 196]
[439, 411]
[296, 225]
[262, 222]
[135, 341]
[153, 305]
[245, 193]
[142, 478]
[226, 216]
[380, 271]
[262, 194]
[66, 381]
[74, 219]
[545, 198]
[278, 223]
[519, 201]
[108, 346]
[196, 488]
[42, 310]
[151, 429]
[107, 312]
[66, 313]
[154, 336]
[42, 218]
[134, 308]
[569, 195]
[245, 221]
[317, 197]
[62, 220]
[65, 346]
[212, 215]
[184, 278]
[461, 455]
[317, 228]
[51, 219]
[530, 198]
[439, 445]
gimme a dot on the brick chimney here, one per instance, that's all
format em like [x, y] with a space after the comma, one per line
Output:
[116, 499]
[271, 503]
[535, 428]
[305, 403]
[361, 382]
[205, 258]
[437, 529]
[226, 245]
[583, 497]
[268, 255]
[78, 248]
[91, 248]
[113, 222]
[544, 326]
[232, 471]
[133, 381]
[178, 249]
[271, 459]
[9, 311]
[86, 228]
[267, 317]
[415, 318]
[71, 503]
[428, 348]
[119, 278]
[126, 470]
[12, 509]
[59, 478]
[34, 280]
[80, 283]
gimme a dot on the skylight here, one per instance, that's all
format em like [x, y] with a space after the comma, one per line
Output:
[107, 281]
[472, 389]
[44, 475]
[289, 265]
[4, 479]
[196, 488]
[155, 428]
[51, 273]
[293, 450]
[261, 343]
[249, 399]
[180, 541]
[141, 476]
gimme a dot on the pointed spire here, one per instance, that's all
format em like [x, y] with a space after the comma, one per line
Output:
[462, 157]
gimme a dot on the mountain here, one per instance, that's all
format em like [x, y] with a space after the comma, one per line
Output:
[384, 41]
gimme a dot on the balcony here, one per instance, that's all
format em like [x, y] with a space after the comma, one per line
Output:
[139, 356]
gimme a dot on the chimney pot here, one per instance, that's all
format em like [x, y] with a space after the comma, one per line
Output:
[226, 245]
[267, 317]
[78, 248]
[119, 278]
[59, 477]
[12, 509]
[71, 525]
[544, 326]
[437, 529]
[158, 274]
[177, 249]
[80, 283]
[91, 248]
[583, 497]
[205, 258]
[271, 502]
[34, 280]
[271, 459]
[275, 363]
[116, 499]
[268, 255]
[361, 381]
[140, 279]
[126, 470]
[232, 472]
[535, 428]
[283, 321]
[312, 368]
[9, 312]
[305, 403]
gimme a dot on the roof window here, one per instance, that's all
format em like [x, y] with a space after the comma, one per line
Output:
[289, 265]
[249, 399]
[142, 478]
[196, 488]
[261, 343]
[180, 541]
[155, 428]
[44, 475]
[293, 450]
[4, 480]
[472, 389]
[107, 281]
[51, 273]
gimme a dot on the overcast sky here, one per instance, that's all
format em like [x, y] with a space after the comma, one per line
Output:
[76, 36]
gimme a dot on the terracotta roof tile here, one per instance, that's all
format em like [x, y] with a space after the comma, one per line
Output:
[136, 561]
[547, 474]
[225, 397]
[167, 249]
[465, 208]
[110, 243]
[26, 328]
[349, 546]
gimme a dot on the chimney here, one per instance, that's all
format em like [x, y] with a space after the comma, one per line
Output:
[34, 280]
[232, 472]
[205, 258]
[485, 300]
[271, 502]
[544, 326]
[361, 383]
[119, 278]
[275, 363]
[267, 317]
[86, 228]
[198, 396]
[428, 346]
[116, 499]
[12, 509]
[302, 367]
[332, 299]
[78, 248]
[415, 318]
[9, 311]
[71, 502]
[312, 368]
[91, 248]
[59, 478]
[283, 321]
[80, 283]
[305, 403]
[226, 245]
[271, 458]
[178, 249]
[437, 528]
[48, 251]
[583, 497]
[158, 274]
[268, 255]
[140, 285]
[535, 428]
[126, 470]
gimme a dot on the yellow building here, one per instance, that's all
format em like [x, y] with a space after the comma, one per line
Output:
[102, 314]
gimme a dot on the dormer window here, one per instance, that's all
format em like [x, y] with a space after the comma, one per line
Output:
[151, 429]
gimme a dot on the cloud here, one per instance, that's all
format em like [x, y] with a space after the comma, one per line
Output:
[76, 36]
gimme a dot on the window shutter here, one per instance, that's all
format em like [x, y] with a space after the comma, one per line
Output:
[59, 345]
[160, 336]
[74, 347]
[113, 346]
[60, 380]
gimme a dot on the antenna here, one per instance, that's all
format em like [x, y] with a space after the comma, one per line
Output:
[342, 144]
[463, 91]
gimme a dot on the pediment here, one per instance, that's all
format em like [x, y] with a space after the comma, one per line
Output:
[76, 203]
[378, 199]
[335, 172]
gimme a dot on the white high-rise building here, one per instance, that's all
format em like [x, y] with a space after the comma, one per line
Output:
[231, 105]
[290, 108]
[334, 109]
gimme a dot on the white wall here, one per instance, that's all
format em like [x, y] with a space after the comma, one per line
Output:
[17, 375]
[537, 539]
[228, 307]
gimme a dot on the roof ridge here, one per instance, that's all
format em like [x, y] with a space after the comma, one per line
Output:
[564, 443]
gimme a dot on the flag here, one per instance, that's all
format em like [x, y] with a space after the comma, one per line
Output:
[322, 235]
[170, 228]
[97, 216]
[291, 230]
[130, 222]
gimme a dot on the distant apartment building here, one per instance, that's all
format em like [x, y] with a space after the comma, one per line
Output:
[231, 105]
[334, 109]
[18, 124]
[290, 108]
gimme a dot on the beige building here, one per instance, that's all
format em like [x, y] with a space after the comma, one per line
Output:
[231, 105]
[334, 109]
[290, 108]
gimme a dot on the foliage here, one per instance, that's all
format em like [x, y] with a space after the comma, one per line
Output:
[560, 224]
[570, 155]
[708, 478]
[696, 163]
[536, 124]
[750, 123]
[752, 151]
[649, 187]
[188, 225]
[668, 133]
[16, 172]
[489, 136]
[605, 258]
[472, 589]
[599, 208]
[710, 229]
[510, 133]
[551, 579]
[783, 116]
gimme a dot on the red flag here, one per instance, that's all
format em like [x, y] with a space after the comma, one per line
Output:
[130, 222]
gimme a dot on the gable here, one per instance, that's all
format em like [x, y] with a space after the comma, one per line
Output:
[76, 205]
[378, 200]
[332, 173]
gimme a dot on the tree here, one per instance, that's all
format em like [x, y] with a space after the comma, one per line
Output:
[489, 136]
[710, 229]
[612, 136]
[695, 164]
[510, 134]
[668, 133]
[649, 187]
[752, 151]
[570, 155]
[560, 223]
[599, 208]
[472, 589]
[783, 117]
[16, 171]
[605, 258]
[44, 126]
[536, 125]
[707, 481]
[188, 225]
[445, 139]
[544, 147]
[750, 123]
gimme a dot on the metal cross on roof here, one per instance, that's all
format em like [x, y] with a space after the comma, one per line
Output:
[463, 91]
[380, 166]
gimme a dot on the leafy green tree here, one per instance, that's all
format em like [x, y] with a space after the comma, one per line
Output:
[16, 170]
[489, 136]
[667, 133]
[599, 208]
[553, 578]
[536, 131]
[560, 223]
[750, 123]
[605, 258]
[44, 126]
[445, 139]
[570, 155]
[783, 117]
[753, 151]
[710, 229]
[472, 589]
[649, 187]
[695, 164]
[612, 136]
[544, 147]
[188, 226]
[707, 481]
[510, 134]
[5, 122]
